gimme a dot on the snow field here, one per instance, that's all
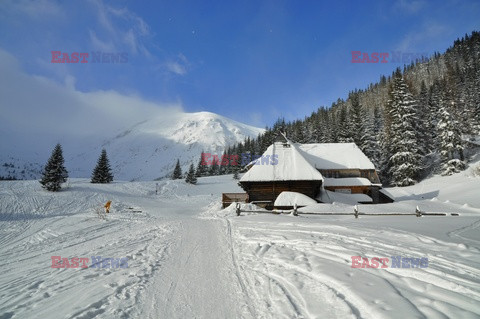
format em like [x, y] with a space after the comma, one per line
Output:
[300, 267]
[66, 225]
[188, 258]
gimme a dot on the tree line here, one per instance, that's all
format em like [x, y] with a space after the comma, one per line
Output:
[410, 124]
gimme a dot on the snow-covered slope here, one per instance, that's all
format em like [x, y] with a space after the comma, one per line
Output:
[149, 149]
[187, 258]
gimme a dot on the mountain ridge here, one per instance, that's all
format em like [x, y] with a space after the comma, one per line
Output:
[148, 149]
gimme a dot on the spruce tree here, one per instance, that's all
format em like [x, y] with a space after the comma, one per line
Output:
[190, 177]
[451, 146]
[357, 126]
[214, 168]
[177, 172]
[235, 175]
[343, 125]
[368, 141]
[401, 144]
[422, 126]
[102, 174]
[54, 173]
[201, 167]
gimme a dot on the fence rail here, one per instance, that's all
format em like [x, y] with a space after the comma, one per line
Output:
[355, 213]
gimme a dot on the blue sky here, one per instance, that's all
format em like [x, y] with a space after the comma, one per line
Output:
[253, 61]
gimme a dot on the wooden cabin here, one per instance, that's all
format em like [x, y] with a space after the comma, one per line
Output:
[290, 171]
[313, 170]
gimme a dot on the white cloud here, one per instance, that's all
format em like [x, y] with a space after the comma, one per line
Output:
[417, 38]
[102, 15]
[410, 6]
[41, 9]
[131, 40]
[37, 111]
[179, 65]
[176, 68]
[70, 82]
[105, 46]
[122, 27]
[256, 119]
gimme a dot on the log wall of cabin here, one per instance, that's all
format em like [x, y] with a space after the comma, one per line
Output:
[268, 191]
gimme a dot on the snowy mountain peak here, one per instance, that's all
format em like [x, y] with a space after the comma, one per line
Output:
[146, 150]
[150, 148]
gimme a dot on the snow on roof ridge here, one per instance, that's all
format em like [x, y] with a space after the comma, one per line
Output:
[336, 156]
[291, 165]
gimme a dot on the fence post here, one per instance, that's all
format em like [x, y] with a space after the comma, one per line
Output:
[237, 208]
[355, 211]
[295, 210]
[418, 212]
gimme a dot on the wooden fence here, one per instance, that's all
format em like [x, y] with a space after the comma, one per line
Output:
[355, 213]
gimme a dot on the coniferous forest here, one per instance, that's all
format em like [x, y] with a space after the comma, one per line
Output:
[411, 124]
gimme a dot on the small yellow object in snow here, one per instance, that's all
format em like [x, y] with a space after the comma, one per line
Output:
[107, 206]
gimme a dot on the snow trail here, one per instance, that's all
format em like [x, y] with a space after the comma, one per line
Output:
[188, 259]
[199, 279]
[178, 265]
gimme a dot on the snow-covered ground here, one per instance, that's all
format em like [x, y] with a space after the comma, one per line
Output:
[189, 259]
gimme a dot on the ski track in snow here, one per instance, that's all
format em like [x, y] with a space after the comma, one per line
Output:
[304, 266]
[178, 265]
[188, 259]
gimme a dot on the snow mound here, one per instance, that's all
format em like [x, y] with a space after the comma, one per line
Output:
[349, 199]
[292, 198]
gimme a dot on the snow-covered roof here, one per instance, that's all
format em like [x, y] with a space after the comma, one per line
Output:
[349, 181]
[335, 156]
[292, 198]
[387, 193]
[290, 165]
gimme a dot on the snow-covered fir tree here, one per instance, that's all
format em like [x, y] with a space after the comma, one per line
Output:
[102, 173]
[422, 126]
[54, 173]
[214, 168]
[177, 172]
[401, 142]
[201, 167]
[190, 178]
[356, 126]
[451, 145]
[343, 124]
[235, 175]
[368, 141]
